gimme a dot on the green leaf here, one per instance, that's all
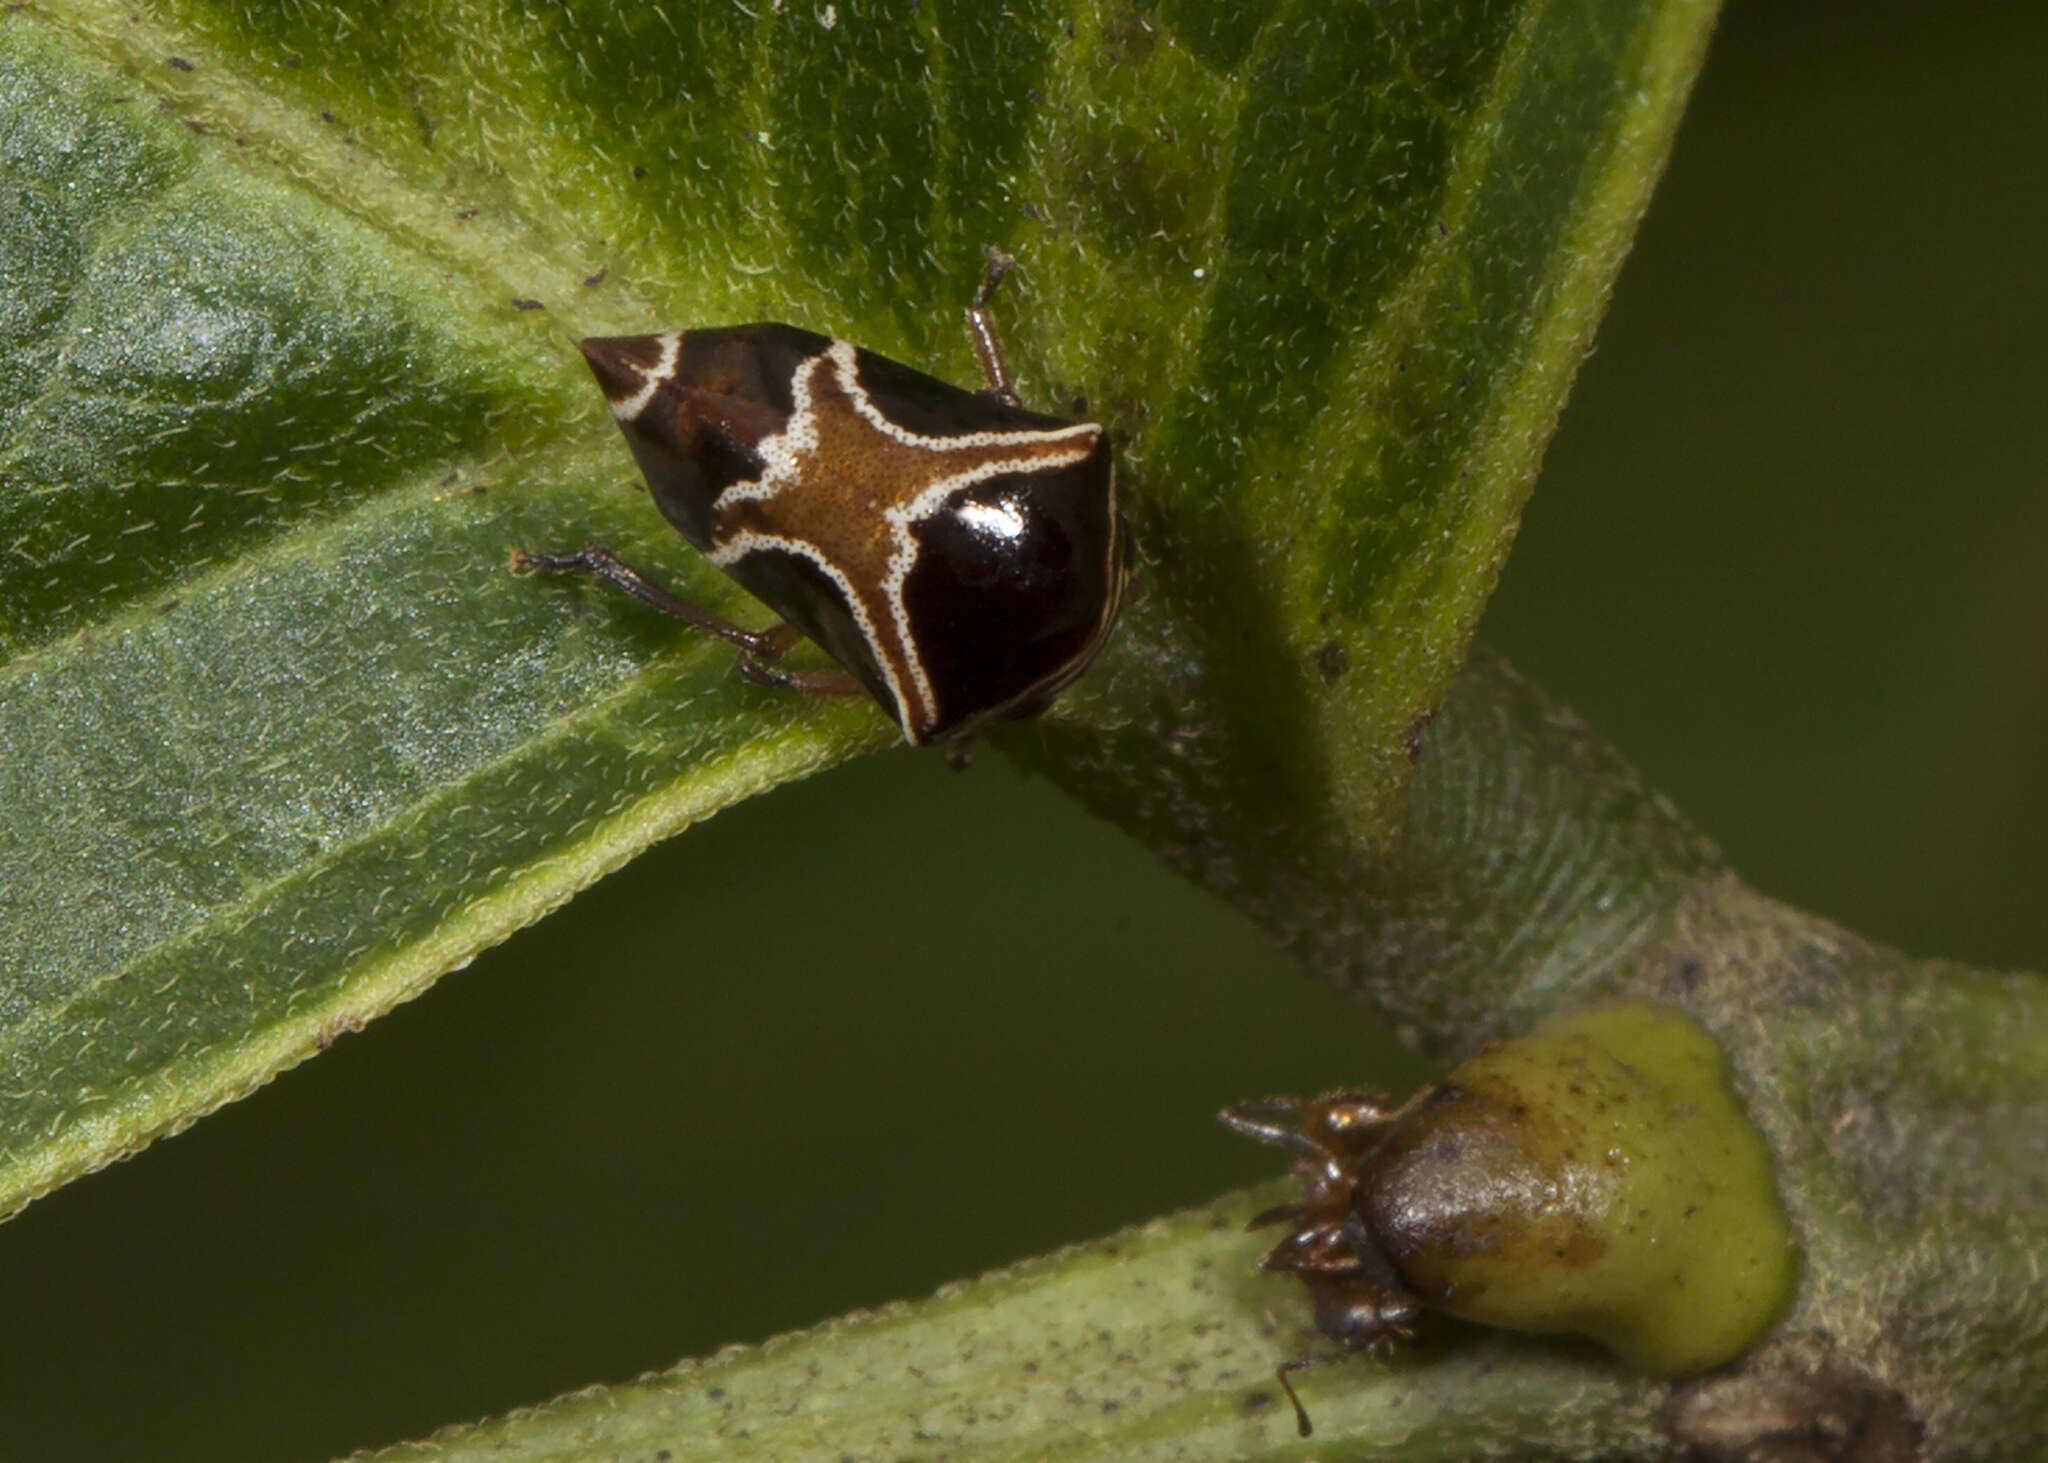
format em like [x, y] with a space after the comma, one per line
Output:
[1127, 1348]
[285, 742]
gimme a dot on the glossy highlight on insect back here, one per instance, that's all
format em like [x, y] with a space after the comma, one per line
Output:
[959, 556]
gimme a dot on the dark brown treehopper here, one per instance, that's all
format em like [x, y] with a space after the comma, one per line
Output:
[959, 556]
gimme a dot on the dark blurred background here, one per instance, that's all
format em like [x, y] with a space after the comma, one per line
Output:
[1787, 551]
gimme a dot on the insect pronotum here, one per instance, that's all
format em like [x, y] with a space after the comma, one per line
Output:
[959, 556]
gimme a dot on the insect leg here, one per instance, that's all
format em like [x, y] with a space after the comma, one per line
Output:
[1302, 1364]
[981, 329]
[598, 560]
[1267, 1122]
[754, 669]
